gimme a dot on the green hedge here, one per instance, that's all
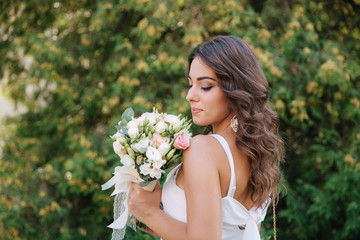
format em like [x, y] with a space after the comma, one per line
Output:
[77, 64]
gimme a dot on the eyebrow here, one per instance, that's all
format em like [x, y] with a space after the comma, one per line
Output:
[203, 78]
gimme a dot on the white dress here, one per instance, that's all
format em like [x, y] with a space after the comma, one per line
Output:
[234, 214]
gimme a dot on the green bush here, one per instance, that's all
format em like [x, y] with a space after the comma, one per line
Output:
[77, 64]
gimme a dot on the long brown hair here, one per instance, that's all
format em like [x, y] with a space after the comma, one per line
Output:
[245, 85]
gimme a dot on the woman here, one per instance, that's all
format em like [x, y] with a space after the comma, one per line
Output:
[222, 188]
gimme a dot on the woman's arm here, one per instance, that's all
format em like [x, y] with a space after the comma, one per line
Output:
[203, 197]
[202, 188]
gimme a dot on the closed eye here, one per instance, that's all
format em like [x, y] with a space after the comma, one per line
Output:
[206, 88]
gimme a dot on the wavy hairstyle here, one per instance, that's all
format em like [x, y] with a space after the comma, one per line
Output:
[245, 85]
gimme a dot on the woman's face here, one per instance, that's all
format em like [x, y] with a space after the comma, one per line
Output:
[209, 104]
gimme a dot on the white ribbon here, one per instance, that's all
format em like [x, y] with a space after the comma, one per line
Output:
[122, 179]
[251, 229]
[235, 214]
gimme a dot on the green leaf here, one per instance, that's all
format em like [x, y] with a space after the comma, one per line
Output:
[122, 129]
[144, 184]
[127, 115]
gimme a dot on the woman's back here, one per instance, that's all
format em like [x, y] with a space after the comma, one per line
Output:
[241, 168]
[237, 219]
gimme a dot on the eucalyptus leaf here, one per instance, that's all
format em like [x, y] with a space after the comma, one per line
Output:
[144, 184]
[122, 130]
[128, 114]
[123, 123]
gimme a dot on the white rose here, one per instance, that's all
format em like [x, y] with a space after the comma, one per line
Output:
[132, 124]
[151, 119]
[119, 137]
[177, 125]
[122, 139]
[127, 161]
[141, 121]
[133, 132]
[174, 121]
[171, 118]
[118, 148]
[164, 148]
[160, 127]
[142, 145]
[153, 154]
[116, 135]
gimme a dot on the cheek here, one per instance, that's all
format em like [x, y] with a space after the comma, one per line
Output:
[218, 106]
[223, 105]
[220, 101]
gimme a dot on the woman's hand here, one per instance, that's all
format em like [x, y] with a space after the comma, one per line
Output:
[148, 230]
[142, 203]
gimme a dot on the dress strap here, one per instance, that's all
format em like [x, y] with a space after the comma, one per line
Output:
[225, 145]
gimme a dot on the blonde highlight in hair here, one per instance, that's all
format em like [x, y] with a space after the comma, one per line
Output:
[245, 85]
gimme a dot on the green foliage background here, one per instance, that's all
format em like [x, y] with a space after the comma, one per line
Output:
[77, 64]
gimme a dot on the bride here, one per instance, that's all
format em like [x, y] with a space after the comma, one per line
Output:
[223, 187]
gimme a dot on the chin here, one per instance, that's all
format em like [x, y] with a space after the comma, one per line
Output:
[201, 123]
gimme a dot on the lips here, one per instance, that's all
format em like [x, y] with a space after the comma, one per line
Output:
[195, 110]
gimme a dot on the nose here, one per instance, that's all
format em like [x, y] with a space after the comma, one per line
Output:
[191, 95]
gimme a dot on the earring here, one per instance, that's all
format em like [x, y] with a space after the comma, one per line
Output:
[234, 123]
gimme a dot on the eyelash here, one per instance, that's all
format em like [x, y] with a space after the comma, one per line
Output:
[203, 88]
[206, 88]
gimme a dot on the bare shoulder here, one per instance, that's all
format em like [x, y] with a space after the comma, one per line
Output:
[203, 149]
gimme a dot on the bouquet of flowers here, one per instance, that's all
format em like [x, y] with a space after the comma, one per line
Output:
[147, 145]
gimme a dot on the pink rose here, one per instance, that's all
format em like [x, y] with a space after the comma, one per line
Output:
[182, 141]
[158, 139]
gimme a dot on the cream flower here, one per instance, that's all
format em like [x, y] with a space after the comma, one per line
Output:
[148, 168]
[141, 121]
[153, 154]
[164, 148]
[158, 139]
[127, 161]
[132, 124]
[119, 137]
[151, 119]
[133, 132]
[160, 127]
[142, 145]
[118, 148]
[174, 121]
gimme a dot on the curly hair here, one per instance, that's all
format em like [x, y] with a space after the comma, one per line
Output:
[245, 85]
